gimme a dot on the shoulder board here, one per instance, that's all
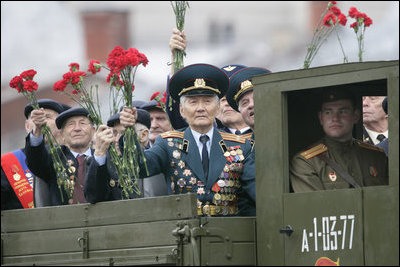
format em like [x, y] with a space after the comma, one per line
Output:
[369, 146]
[172, 134]
[233, 137]
[314, 151]
[247, 136]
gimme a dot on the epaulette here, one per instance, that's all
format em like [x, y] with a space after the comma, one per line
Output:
[172, 134]
[314, 151]
[247, 136]
[369, 146]
[233, 137]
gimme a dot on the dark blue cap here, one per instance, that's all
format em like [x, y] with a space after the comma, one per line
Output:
[44, 103]
[152, 104]
[113, 120]
[240, 83]
[138, 103]
[143, 117]
[198, 79]
[62, 117]
[232, 69]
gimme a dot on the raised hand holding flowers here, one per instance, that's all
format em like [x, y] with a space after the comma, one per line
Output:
[123, 65]
[24, 84]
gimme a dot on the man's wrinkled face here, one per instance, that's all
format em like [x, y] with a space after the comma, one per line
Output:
[227, 115]
[200, 111]
[246, 108]
[372, 109]
[77, 132]
[337, 119]
[159, 124]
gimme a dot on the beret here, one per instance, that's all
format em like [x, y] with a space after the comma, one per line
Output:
[44, 103]
[62, 117]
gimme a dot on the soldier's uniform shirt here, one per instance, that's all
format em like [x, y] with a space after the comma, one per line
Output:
[365, 162]
[231, 169]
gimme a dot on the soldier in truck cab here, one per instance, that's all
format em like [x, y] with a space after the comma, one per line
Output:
[338, 161]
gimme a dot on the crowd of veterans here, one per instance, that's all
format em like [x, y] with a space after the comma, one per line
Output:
[202, 144]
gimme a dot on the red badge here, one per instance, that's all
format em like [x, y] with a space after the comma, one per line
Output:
[332, 176]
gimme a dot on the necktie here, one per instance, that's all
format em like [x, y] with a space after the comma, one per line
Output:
[204, 154]
[78, 188]
[237, 132]
[381, 137]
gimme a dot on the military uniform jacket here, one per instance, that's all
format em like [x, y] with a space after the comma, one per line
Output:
[231, 169]
[366, 163]
[40, 162]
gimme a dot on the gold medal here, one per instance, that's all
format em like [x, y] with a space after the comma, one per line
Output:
[72, 169]
[112, 182]
[217, 196]
[239, 152]
[227, 154]
[233, 152]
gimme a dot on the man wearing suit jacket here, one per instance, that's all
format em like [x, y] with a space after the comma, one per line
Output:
[77, 132]
[200, 159]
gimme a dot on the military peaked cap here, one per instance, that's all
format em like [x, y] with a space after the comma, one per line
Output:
[198, 79]
[240, 83]
[333, 94]
[113, 120]
[232, 69]
[143, 117]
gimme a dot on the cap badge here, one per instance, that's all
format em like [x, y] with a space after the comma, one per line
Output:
[199, 83]
[230, 68]
[243, 86]
[332, 176]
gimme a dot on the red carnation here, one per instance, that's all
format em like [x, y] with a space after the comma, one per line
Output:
[329, 19]
[28, 74]
[73, 67]
[367, 21]
[59, 86]
[335, 10]
[94, 66]
[30, 86]
[353, 12]
[16, 83]
[342, 19]
[354, 25]
[333, 2]
[154, 95]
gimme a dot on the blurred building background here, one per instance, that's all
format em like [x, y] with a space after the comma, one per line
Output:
[48, 35]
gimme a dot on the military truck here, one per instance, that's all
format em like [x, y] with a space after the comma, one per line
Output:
[358, 226]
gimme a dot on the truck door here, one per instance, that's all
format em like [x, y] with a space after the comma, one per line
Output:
[333, 227]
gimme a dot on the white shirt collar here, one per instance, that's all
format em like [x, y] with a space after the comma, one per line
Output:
[88, 153]
[196, 136]
[373, 135]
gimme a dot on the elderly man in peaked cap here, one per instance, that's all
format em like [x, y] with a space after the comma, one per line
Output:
[240, 93]
[14, 196]
[77, 131]
[338, 161]
[214, 165]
